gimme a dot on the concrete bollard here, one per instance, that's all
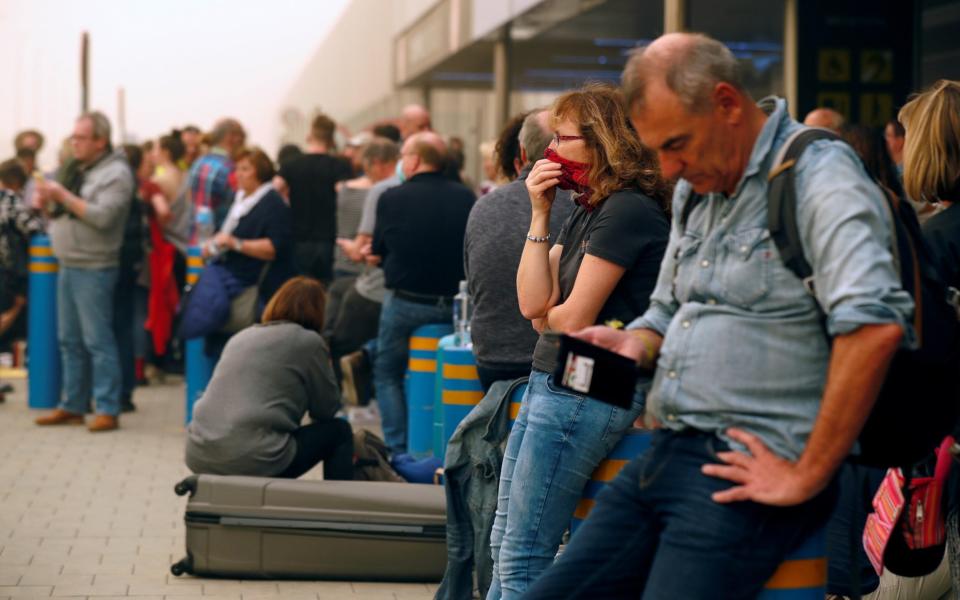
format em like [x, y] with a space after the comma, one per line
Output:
[44, 351]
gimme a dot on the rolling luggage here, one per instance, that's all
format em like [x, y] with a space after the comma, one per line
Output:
[256, 527]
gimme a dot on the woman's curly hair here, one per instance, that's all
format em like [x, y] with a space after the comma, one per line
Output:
[617, 158]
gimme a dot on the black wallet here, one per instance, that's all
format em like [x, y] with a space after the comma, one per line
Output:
[586, 369]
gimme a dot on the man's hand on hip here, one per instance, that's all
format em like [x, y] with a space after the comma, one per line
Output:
[761, 476]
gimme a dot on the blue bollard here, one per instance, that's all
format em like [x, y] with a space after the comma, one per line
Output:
[419, 386]
[461, 388]
[198, 367]
[43, 373]
[633, 443]
[439, 443]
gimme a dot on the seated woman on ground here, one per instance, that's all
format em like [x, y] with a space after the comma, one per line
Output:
[248, 420]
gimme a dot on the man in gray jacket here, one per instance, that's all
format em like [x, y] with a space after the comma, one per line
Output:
[88, 215]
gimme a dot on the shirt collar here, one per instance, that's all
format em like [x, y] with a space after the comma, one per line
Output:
[525, 172]
[777, 116]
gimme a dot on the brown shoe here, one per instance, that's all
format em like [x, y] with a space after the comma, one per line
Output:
[60, 417]
[103, 423]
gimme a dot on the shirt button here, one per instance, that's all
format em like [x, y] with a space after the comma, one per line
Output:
[686, 324]
[705, 264]
[711, 301]
[744, 249]
[672, 374]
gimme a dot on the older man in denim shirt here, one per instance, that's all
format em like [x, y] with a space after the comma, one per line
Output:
[756, 408]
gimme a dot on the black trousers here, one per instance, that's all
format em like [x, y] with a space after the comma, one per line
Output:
[330, 441]
[357, 321]
[315, 259]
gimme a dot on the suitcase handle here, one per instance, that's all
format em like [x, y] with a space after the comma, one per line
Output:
[187, 486]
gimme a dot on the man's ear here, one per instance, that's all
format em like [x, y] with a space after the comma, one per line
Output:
[728, 102]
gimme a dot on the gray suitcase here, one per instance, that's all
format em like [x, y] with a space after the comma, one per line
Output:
[255, 527]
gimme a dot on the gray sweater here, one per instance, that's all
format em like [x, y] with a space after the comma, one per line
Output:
[94, 241]
[494, 240]
[268, 377]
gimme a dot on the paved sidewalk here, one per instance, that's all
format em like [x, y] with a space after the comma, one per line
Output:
[94, 515]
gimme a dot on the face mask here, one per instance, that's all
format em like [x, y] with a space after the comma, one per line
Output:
[400, 174]
[574, 176]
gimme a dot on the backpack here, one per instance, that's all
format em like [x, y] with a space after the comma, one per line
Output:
[918, 402]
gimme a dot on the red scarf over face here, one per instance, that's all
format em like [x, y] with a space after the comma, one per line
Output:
[574, 176]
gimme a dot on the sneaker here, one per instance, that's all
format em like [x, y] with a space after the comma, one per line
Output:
[60, 417]
[356, 377]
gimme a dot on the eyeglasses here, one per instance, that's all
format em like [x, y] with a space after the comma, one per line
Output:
[557, 138]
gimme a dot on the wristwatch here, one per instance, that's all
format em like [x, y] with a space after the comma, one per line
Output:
[237, 244]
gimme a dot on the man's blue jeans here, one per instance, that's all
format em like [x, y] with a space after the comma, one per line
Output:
[88, 346]
[655, 533]
[398, 319]
[559, 438]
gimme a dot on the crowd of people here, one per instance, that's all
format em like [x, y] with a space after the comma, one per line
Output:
[634, 218]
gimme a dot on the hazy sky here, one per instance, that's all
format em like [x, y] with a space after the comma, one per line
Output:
[179, 61]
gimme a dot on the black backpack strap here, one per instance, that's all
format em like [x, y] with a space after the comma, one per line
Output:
[782, 202]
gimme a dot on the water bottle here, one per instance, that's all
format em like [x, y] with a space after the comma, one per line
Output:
[204, 222]
[461, 317]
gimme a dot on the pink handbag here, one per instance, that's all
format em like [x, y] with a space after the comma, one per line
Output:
[914, 512]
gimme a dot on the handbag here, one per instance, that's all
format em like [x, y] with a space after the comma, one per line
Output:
[906, 532]
[243, 306]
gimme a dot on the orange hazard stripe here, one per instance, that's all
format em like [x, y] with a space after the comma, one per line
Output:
[44, 268]
[798, 574]
[583, 508]
[460, 372]
[462, 398]
[424, 343]
[422, 365]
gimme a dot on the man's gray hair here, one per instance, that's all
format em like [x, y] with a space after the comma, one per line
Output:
[533, 138]
[381, 150]
[691, 70]
[100, 123]
[222, 129]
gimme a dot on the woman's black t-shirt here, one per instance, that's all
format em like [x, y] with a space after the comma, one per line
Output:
[628, 229]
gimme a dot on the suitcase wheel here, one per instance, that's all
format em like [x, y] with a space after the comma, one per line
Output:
[181, 567]
[187, 486]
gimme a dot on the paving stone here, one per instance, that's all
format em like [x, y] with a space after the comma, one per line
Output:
[21, 591]
[106, 589]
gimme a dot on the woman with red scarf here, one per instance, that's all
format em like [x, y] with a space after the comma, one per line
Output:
[602, 268]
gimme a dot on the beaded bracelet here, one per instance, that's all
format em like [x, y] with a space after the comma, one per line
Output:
[538, 238]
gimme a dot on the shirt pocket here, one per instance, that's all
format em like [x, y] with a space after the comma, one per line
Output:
[745, 272]
[684, 275]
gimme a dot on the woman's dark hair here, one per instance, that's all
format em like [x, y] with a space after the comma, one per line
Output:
[617, 158]
[173, 145]
[262, 164]
[288, 151]
[134, 156]
[507, 149]
[872, 148]
[301, 300]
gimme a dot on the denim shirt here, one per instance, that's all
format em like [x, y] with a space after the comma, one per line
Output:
[743, 340]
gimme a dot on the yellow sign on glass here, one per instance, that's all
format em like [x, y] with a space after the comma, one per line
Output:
[876, 109]
[833, 65]
[876, 66]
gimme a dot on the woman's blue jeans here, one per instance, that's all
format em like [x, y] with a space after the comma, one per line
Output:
[559, 438]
